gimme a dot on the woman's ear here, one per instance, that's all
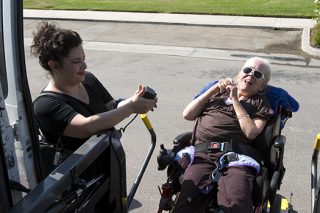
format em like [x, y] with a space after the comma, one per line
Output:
[53, 65]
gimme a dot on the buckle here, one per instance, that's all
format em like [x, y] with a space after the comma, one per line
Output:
[232, 157]
[215, 146]
[215, 175]
[223, 146]
[228, 158]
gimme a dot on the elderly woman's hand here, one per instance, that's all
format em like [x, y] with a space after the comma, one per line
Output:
[223, 83]
[229, 86]
[233, 92]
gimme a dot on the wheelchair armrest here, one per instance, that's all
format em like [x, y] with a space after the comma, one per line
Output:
[181, 141]
[278, 170]
[260, 187]
[276, 154]
[166, 156]
[280, 141]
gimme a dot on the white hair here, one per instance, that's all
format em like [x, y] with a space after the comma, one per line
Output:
[264, 66]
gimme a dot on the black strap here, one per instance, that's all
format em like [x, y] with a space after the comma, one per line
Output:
[193, 137]
[60, 97]
[237, 147]
[213, 147]
[59, 147]
[58, 156]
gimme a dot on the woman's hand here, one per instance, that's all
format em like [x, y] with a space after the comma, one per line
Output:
[224, 83]
[233, 91]
[229, 86]
[142, 105]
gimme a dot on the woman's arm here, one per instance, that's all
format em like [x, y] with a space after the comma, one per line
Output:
[194, 108]
[82, 127]
[251, 128]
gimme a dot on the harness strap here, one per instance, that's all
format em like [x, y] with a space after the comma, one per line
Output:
[226, 159]
[58, 158]
[213, 147]
[240, 148]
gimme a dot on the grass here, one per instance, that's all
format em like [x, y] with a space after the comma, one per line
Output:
[275, 8]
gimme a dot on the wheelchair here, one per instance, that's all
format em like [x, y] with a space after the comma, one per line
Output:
[270, 144]
[315, 189]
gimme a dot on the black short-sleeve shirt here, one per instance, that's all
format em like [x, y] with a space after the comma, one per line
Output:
[53, 114]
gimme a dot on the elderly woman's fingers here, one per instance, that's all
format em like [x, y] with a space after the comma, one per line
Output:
[222, 84]
[229, 81]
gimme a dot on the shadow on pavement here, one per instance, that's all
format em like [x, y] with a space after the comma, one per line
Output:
[135, 204]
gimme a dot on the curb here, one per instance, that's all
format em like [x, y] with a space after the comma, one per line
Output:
[305, 43]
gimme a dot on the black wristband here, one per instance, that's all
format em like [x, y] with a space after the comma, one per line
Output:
[116, 103]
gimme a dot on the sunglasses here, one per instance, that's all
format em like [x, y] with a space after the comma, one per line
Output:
[257, 74]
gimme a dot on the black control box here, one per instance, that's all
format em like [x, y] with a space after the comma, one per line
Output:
[149, 93]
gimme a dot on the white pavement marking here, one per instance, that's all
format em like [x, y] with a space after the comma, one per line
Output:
[219, 54]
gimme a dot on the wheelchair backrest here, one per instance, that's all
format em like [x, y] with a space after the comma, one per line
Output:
[263, 143]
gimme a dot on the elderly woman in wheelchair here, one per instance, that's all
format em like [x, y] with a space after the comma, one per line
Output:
[214, 168]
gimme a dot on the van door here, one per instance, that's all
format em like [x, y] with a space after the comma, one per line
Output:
[77, 184]
[17, 128]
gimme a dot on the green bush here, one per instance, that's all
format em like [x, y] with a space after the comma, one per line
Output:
[315, 36]
[315, 32]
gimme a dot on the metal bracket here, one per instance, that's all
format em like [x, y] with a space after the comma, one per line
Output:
[15, 130]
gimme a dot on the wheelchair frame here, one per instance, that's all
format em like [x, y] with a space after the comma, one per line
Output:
[315, 189]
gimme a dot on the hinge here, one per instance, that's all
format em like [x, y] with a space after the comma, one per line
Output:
[15, 130]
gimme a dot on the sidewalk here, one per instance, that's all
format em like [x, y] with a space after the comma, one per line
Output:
[185, 19]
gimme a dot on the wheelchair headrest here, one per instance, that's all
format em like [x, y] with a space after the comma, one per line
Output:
[278, 97]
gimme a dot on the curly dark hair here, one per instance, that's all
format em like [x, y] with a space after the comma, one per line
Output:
[50, 42]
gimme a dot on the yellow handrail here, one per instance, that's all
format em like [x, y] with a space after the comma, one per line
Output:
[146, 121]
[317, 142]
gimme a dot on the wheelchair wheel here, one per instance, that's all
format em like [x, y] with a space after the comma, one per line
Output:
[212, 208]
[175, 201]
[273, 187]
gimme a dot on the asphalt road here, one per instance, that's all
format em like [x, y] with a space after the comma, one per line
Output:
[177, 61]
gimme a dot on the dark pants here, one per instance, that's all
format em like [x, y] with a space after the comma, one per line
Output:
[233, 192]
